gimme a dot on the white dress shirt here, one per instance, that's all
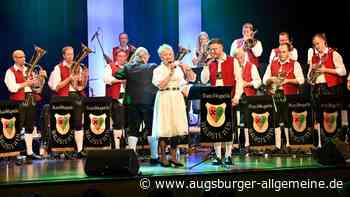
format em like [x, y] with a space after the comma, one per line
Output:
[298, 72]
[108, 77]
[205, 76]
[10, 80]
[292, 55]
[337, 60]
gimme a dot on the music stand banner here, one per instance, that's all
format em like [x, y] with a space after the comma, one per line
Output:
[10, 136]
[216, 114]
[61, 122]
[260, 121]
[300, 120]
[330, 116]
[97, 115]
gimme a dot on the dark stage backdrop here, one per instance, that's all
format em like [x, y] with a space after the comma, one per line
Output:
[152, 23]
[49, 24]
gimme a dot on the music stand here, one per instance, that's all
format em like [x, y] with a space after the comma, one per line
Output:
[217, 126]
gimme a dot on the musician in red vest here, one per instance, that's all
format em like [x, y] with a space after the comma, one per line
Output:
[113, 86]
[332, 68]
[60, 82]
[223, 70]
[123, 45]
[283, 37]
[20, 88]
[292, 77]
[330, 64]
[253, 52]
[251, 82]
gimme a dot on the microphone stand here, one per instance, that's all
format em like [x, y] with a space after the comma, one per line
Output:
[106, 57]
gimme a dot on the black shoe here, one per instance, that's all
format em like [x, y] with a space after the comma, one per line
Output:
[29, 159]
[176, 164]
[275, 151]
[154, 162]
[165, 165]
[80, 155]
[36, 157]
[217, 161]
[228, 161]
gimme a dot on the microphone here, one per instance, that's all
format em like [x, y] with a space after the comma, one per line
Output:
[95, 34]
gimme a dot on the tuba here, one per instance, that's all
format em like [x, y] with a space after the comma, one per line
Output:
[251, 42]
[33, 70]
[79, 82]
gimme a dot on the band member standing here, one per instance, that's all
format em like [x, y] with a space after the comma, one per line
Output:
[20, 88]
[140, 101]
[251, 82]
[170, 116]
[113, 86]
[201, 51]
[325, 72]
[288, 74]
[223, 70]
[252, 46]
[284, 38]
[329, 64]
[60, 82]
[123, 45]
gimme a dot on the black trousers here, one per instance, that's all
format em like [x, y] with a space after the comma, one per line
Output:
[136, 114]
[27, 115]
[118, 115]
[78, 111]
[323, 90]
[281, 115]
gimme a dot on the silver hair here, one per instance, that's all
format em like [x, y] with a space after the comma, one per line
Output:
[198, 45]
[164, 47]
[136, 57]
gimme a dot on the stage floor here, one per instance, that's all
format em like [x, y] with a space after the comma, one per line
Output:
[51, 171]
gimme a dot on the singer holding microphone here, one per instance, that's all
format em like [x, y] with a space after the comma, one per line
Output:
[170, 116]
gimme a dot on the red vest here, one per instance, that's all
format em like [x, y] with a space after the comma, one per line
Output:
[227, 71]
[247, 76]
[113, 90]
[65, 73]
[19, 95]
[251, 56]
[288, 68]
[331, 79]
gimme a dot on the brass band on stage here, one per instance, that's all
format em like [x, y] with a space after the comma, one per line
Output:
[269, 110]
